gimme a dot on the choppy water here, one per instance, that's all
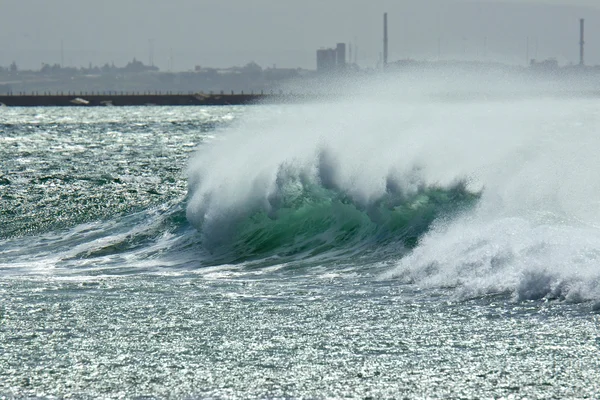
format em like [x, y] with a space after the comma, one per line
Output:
[356, 249]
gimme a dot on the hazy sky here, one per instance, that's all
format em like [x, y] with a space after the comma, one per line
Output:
[287, 33]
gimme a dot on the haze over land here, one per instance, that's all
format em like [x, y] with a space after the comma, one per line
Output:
[180, 34]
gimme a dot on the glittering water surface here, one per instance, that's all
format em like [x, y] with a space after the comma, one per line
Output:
[287, 337]
[108, 291]
[64, 167]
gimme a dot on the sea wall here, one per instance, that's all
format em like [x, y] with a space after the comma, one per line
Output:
[159, 99]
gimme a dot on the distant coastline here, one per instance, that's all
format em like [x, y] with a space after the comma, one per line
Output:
[109, 99]
[156, 99]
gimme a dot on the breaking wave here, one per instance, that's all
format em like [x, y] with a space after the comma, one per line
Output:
[485, 196]
[304, 216]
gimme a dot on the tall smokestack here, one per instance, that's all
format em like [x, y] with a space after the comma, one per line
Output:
[581, 41]
[385, 41]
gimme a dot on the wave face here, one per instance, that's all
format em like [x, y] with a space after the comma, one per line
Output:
[485, 193]
[291, 182]
[300, 217]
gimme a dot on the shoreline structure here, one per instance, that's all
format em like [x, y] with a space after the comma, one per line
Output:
[148, 99]
[95, 99]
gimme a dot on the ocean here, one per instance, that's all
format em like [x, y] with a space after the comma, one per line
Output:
[373, 247]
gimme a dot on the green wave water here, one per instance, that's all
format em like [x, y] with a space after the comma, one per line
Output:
[316, 220]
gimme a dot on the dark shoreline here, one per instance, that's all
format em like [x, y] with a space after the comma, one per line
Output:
[196, 99]
[231, 99]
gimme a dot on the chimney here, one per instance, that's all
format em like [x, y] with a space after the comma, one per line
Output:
[581, 41]
[385, 40]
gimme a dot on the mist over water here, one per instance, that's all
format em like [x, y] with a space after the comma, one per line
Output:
[526, 148]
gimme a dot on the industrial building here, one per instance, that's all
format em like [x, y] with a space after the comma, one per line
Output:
[330, 60]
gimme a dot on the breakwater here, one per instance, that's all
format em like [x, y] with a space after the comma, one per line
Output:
[158, 99]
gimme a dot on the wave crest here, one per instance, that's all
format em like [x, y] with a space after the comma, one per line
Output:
[305, 211]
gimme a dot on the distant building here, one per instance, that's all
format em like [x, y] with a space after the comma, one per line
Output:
[548, 65]
[340, 52]
[329, 60]
[136, 66]
[326, 60]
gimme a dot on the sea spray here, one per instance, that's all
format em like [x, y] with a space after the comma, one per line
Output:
[527, 151]
[334, 171]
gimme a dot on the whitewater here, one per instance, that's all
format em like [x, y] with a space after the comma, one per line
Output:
[418, 236]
